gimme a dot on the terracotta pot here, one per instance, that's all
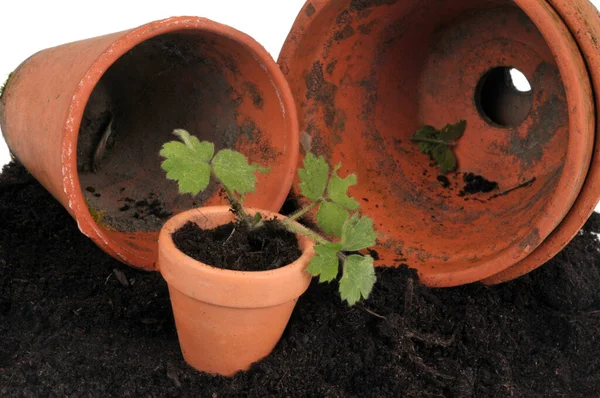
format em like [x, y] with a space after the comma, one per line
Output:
[226, 320]
[184, 72]
[583, 20]
[367, 74]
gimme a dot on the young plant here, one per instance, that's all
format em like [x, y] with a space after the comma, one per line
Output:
[192, 164]
[3, 87]
[438, 143]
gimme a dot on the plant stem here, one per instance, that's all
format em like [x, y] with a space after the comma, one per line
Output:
[433, 141]
[300, 213]
[301, 229]
[236, 205]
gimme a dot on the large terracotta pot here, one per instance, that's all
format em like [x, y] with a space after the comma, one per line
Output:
[366, 74]
[226, 320]
[583, 20]
[130, 90]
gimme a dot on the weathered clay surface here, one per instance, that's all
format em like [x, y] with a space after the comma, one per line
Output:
[183, 72]
[367, 74]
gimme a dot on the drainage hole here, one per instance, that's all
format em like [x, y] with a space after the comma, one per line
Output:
[504, 97]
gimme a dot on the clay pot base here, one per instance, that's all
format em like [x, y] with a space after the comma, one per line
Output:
[583, 20]
[204, 83]
[416, 63]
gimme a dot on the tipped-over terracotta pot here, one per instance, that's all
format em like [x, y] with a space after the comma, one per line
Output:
[583, 20]
[88, 119]
[226, 320]
[367, 74]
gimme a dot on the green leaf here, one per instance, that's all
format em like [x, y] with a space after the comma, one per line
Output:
[3, 87]
[338, 190]
[453, 131]
[325, 264]
[358, 279]
[427, 132]
[185, 166]
[331, 218]
[426, 147]
[313, 177]
[444, 156]
[235, 172]
[358, 234]
[257, 218]
[205, 149]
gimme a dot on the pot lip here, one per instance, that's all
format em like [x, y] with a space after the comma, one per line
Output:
[124, 42]
[583, 24]
[293, 278]
[578, 89]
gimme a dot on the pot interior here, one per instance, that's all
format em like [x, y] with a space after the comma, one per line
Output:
[367, 74]
[211, 85]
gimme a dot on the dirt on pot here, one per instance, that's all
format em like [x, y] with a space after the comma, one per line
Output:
[71, 329]
[475, 184]
[444, 181]
[122, 129]
[235, 246]
[138, 127]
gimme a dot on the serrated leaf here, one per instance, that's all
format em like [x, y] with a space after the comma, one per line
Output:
[331, 218]
[205, 149]
[358, 234]
[426, 147]
[427, 132]
[358, 279]
[338, 189]
[183, 165]
[325, 263]
[313, 177]
[453, 131]
[444, 156]
[235, 172]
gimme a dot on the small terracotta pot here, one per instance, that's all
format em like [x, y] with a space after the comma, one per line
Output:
[583, 20]
[226, 320]
[367, 74]
[184, 72]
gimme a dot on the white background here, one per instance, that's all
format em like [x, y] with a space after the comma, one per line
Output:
[27, 26]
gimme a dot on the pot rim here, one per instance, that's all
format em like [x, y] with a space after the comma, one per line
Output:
[243, 289]
[578, 90]
[124, 42]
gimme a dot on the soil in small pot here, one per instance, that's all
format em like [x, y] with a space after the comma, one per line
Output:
[76, 322]
[238, 247]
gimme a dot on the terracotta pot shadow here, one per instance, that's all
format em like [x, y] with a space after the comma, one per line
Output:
[366, 74]
[88, 119]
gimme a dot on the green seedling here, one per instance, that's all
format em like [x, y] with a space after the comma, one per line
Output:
[438, 143]
[193, 164]
[3, 87]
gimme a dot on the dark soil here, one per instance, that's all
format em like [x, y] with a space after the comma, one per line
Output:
[75, 322]
[444, 181]
[236, 247]
[477, 184]
[147, 208]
